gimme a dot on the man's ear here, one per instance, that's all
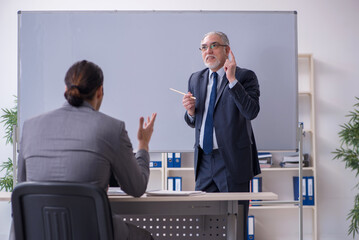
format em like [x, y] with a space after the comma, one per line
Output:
[228, 50]
[99, 92]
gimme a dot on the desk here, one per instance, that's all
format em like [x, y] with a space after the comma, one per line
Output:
[205, 216]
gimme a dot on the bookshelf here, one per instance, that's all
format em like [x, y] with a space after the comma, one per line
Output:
[158, 176]
[279, 180]
[275, 179]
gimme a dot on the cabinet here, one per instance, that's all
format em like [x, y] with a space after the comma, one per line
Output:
[277, 221]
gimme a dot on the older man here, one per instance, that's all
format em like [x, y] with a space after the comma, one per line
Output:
[226, 100]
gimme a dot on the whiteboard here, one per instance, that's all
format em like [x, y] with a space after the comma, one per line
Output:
[144, 53]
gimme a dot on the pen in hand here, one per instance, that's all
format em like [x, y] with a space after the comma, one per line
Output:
[180, 92]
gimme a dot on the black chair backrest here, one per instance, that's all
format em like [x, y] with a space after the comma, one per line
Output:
[61, 211]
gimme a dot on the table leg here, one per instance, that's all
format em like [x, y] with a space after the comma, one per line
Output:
[235, 221]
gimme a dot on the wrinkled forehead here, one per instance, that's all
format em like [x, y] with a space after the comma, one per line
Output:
[212, 38]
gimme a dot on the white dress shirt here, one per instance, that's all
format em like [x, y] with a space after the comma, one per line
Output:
[220, 73]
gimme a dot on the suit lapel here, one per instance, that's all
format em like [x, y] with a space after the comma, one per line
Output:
[203, 82]
[224, 83]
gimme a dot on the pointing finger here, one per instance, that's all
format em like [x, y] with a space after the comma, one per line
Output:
[232, 55]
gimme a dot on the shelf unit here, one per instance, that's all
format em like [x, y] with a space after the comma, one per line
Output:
[279, 169]
[277, 176]
[306, 75]
[158, 176]
[275, 179]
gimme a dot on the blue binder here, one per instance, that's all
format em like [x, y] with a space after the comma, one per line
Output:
[155, 164]
[170, 162]
[256, 184]
[177, 160]
[170, 183]
[296, 189]
[178, 183]
[250, 227]
[310, 190]
[255, 187]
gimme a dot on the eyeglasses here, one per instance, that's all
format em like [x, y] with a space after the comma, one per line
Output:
[214, 45]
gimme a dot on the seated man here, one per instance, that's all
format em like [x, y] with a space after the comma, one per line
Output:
[77, 143]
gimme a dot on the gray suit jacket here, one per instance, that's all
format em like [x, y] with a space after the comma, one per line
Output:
[79, 144]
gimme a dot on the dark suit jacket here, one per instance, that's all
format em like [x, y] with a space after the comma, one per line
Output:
[234, 110]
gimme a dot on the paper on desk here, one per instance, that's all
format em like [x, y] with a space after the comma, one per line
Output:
[173, 193]
[115, 191]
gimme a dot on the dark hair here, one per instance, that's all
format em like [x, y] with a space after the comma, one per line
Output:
[82, 80]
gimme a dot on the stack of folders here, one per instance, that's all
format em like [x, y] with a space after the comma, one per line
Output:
[307, 189]
[265, 159]
[174, 160]
[174, 183]
[250, 227]
[293, 161]
[255, 186]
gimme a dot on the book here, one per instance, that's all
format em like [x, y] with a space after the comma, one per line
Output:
[265, 159]
[265, 165]
[264, 155]
[295, 158]
[293, 161]
[290, 164]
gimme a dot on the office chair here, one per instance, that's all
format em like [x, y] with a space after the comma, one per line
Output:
[61, 211]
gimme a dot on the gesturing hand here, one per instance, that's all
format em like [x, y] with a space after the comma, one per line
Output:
[145, 131]
[230, 68]
[189, 103]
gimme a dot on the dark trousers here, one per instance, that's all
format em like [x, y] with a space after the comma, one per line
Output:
[214, 177]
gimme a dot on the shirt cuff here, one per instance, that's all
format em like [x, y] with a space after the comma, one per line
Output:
[232, 84]
[190, 117]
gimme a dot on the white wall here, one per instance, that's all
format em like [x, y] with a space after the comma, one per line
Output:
[326, 28]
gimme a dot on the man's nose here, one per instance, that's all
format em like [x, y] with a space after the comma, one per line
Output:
[209, 50]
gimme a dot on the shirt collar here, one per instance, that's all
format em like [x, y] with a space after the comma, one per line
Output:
[220, 73]
[85, 104]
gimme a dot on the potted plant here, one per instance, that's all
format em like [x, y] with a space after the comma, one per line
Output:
[348, 152]
[9, 119]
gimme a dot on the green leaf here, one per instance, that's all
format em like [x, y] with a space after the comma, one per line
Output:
[348, 152]
[9, 119]
[6, 182]
[353, 216]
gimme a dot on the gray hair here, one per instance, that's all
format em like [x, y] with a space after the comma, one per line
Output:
[222, 35]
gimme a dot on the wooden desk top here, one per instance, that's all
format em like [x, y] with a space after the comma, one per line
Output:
[6, 196]
[199, 197]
